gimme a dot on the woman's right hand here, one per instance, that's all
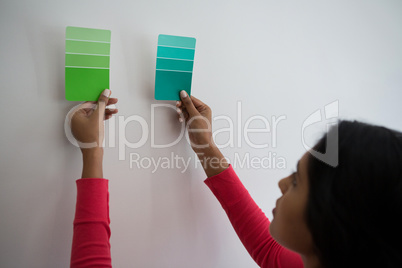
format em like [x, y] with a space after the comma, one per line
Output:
[197, 116]
[198, 121]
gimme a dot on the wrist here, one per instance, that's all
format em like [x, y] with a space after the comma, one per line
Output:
[212, 160]
[208, 149]
[96, 152]
[92, 163]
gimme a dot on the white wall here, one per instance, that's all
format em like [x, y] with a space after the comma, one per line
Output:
[275, 57]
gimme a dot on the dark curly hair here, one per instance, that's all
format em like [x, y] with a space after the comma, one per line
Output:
[354, 210]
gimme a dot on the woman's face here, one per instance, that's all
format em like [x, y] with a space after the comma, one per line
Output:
[288, 226]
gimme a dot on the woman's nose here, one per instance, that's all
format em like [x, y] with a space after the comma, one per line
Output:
[282, 185]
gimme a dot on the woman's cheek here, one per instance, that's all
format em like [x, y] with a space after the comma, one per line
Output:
[279, 227]
[276, 225]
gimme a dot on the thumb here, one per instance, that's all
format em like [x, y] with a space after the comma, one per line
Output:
[188, 103]
[102, 101]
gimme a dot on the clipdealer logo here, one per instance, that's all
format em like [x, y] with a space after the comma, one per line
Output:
[236, 128]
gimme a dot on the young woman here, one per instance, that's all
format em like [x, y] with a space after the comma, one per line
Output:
[344, 216]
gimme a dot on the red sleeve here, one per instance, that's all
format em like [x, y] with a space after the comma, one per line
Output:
[249, 222]
[91, 247]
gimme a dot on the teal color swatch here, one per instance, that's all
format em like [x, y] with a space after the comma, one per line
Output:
[174, 66]
[87, 63]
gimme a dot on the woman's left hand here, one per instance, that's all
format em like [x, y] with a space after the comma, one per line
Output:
[87, 120]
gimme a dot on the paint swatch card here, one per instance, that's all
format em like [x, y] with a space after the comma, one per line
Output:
[87, 63]
[174, 66]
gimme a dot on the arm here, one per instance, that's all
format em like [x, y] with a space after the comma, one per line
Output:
[249, 222]
[90, 246]
[247, 219]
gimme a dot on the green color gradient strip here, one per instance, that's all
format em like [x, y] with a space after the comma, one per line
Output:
[175, 53]
[88, 34]
[87, 47]
[176, 41]
[85, 84]
[178, 65]
[87, 61]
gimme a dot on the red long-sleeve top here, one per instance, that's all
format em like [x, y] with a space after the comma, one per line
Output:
[91, 225]
[91, 247]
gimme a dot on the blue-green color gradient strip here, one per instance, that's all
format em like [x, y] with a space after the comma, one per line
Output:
[175, 53]
[178, 65]
[176, 41]
[169, 84]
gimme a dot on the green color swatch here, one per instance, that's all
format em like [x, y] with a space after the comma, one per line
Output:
[174, 66]
[87, 63]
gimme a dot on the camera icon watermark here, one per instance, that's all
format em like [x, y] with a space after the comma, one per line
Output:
[331, 112]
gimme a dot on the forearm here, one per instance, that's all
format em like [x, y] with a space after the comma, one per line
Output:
[212, 160]
[92, 163]
[90, 247]
[91, 223]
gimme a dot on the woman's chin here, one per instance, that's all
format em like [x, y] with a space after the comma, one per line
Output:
[272, 227]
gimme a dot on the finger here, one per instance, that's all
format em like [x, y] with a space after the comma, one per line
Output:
[112, 101]
[188, 103]
[111, 111]
[88, 111]
[87, 105]
[183, 111]
[108, 110]
[179, 113]
[182, 117]
[197, 103]
[82, 110]
[184, 114]
[103, 99]
[178, 103]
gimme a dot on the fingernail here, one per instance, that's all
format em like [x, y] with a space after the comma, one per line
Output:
[178, 110]
[183, 94]
[181, 119]
[177, 102]
[106, 93]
